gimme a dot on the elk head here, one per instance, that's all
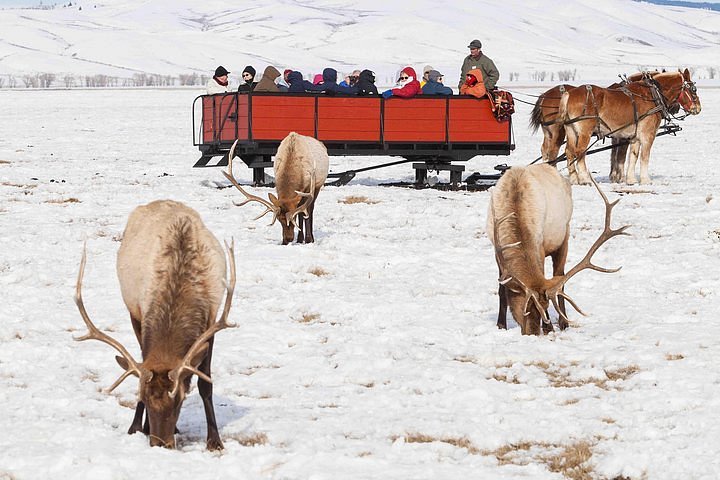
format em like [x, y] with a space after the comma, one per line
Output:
[163, 382]
[286, 210]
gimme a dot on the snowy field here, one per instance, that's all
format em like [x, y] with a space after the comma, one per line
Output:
[372, 353]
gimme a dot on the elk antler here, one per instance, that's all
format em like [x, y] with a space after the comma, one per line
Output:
[500, 249]
[221, 324]
[607, 233]
[269, 206]
[94, 333]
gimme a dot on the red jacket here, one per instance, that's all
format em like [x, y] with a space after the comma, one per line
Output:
[411, 88]
[478, 90]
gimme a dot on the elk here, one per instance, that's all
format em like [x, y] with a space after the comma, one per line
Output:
[172, 277]
[528, 220]
[301, 168]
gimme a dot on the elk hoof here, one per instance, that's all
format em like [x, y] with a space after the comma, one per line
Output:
[214, 444]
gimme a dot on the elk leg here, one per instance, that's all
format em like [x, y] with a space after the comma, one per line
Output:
[301, 228]
[547, 327]
[309, 238]
[502, 310]
[206, 390]
[136, 424]
[559, 257]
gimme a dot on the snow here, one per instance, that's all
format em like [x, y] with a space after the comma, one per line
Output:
[372, 353]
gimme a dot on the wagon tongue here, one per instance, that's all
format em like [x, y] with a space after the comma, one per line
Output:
[343, 178]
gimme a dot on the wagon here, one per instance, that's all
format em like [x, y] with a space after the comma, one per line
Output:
[434, 132]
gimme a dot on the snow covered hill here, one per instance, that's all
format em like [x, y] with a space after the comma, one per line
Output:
[529, 39]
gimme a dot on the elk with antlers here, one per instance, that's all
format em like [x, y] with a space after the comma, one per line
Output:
[528, 220]
[172, 276]
[301, 168]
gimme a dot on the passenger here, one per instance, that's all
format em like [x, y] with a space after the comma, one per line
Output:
[408, 86]
[329, 84]
[248, 75]
[317, 79]
[434, 85]
[219, 82]
[474, 84]
[297, 84]
[366, 83]
[267, 82]
[426, 70]
[283, 84]
[476, 59]
[351, 79]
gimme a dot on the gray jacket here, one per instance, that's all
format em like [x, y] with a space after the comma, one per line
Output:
[486, 66]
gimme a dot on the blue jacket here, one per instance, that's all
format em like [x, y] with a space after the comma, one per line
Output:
[330, 85]
[297, 84]
[435, 88]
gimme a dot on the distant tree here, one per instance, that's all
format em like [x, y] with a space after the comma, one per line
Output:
[30, 81]
[45, 80]
[2, 82]
[12, 82]
[712, 71]
[69, 81]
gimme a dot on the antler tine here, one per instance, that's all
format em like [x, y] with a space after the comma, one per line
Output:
[221, 324]
[269, 206]
[94, 333]
[606, 235]
[500, 249]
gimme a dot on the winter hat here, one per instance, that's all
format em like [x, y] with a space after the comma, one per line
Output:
[427, 68]
[433, 75]
[475, 44]
[286, 72]
[220, 71]
[249, 69]
[318, 79]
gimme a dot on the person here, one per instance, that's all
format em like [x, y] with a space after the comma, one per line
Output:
[330, 86]
[297, 84]
[408, 86]
[434, 85]
[248, 75]
[219, 82]
[476, 59]
[351, 79]
[426, 70]
[366, 83]
[317, 79]
[474, 84]
[267, 82]
[284, 84]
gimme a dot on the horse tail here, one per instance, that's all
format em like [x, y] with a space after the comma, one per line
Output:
[536, 118]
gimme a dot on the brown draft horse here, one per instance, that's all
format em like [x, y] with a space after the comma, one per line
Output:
[545, 114]
[632, 113]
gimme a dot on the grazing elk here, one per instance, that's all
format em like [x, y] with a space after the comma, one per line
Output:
[528, 220]
[301, 168]
[633, 114]
[172, 277]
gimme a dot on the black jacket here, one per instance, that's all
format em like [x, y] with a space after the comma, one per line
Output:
[366, 83]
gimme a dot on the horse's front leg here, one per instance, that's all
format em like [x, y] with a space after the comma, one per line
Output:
[646, 145]
[630, 177]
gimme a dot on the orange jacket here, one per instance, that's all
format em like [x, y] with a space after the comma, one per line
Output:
[477, 90]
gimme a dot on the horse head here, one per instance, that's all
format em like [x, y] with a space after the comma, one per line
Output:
[688, 97]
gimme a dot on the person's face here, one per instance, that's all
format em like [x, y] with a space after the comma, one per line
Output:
[222, 78]
[474, 51]
[440, 80]
[247, 76]
[426, 75]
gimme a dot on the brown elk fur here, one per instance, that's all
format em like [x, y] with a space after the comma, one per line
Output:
[172, 278]
[591, 110]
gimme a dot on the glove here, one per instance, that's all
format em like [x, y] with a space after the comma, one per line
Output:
[387, 94]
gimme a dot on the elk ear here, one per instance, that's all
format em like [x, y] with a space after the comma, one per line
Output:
[273, 199]
[122, 361]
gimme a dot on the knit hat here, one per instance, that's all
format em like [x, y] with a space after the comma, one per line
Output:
[433, 75]
[475, 44]
[249, 69]
[220, 71]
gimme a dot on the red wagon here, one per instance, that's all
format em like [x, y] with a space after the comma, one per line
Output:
[433, 130]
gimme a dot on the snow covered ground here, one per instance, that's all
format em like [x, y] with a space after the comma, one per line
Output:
[372, 353]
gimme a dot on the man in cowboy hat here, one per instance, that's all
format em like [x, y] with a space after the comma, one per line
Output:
[476, 60]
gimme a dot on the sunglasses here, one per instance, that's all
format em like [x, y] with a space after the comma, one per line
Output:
[247, 74]
[404, 78]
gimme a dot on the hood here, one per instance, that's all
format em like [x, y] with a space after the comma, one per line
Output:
[477, 74]
[271, 72]
[329, 75]
[294, 77]
[367, 76]
[410, 72]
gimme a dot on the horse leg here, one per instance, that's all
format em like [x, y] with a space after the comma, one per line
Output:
[582, 170]
[630, 178]
[646, 146]
[617, 161]
[571, 155]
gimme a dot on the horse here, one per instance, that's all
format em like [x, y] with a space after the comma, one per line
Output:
[632, 113]
[545, 114]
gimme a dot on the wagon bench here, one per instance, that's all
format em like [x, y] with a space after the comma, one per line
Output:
[432, 131]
